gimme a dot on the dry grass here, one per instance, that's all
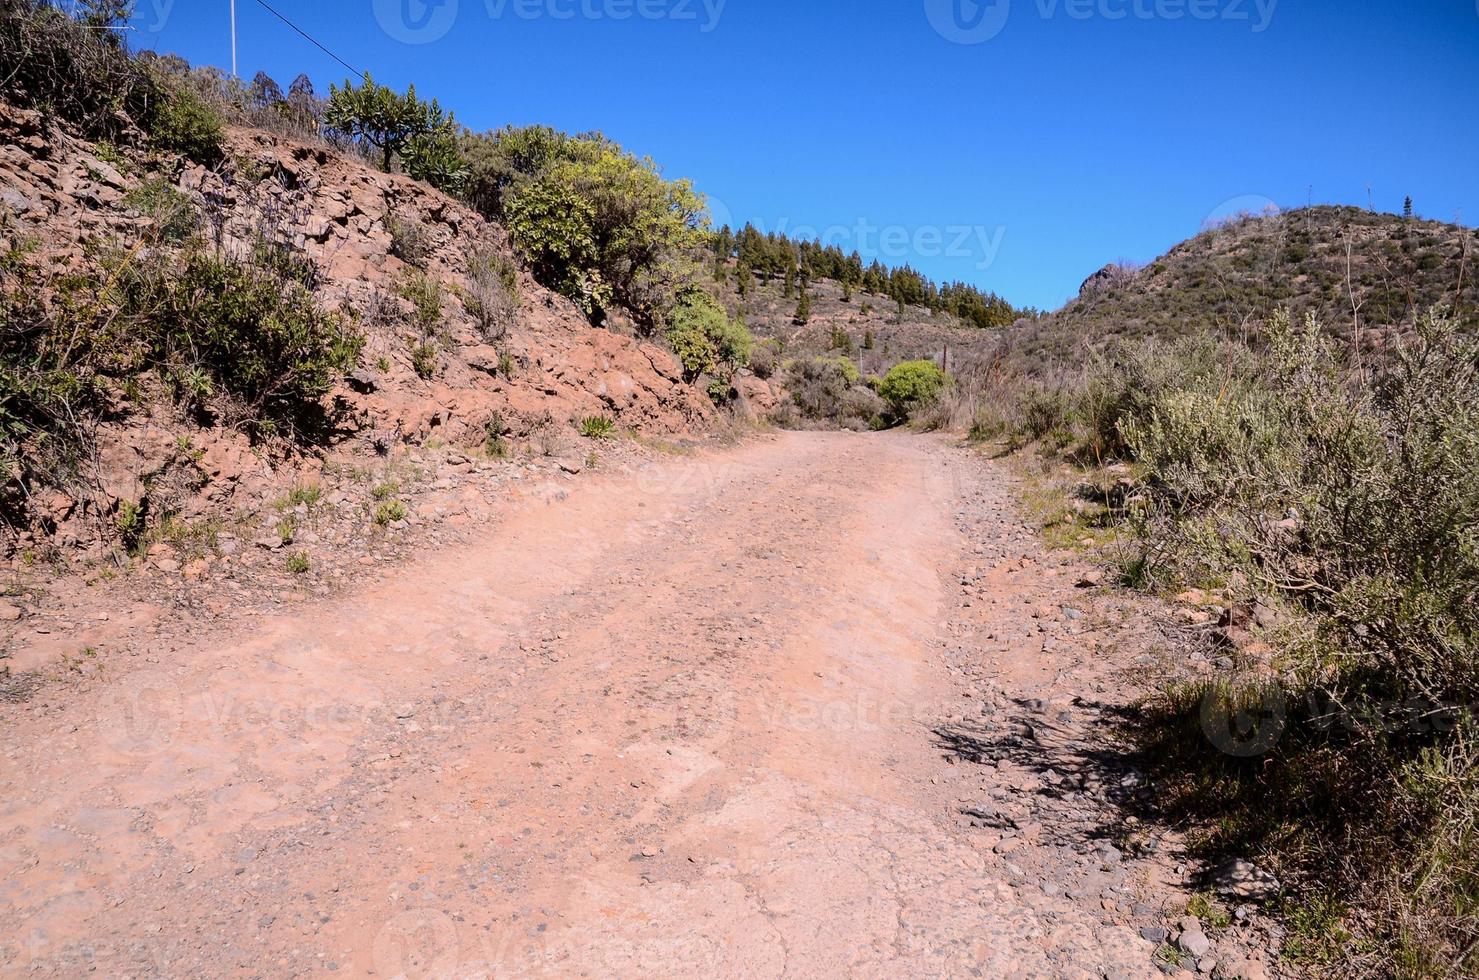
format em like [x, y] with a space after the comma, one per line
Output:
[1346, 495]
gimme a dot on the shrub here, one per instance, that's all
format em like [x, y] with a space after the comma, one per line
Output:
[705, 339]
[434, 157]
[495, 441]
[237, 336]
[48, 400]
[826, 389]
[492, 294]
[763, 359]
[244, 326]
[250, 324]
[130, 523]
[174, 214]
[501, 162]
[409, 240]
[73, 69]
[302, 494]
[1351, 499]
[425, 296]
[911, 385]
[182, 123]
[604, 229]
[425, 359]
[597, 427]
[297, 563]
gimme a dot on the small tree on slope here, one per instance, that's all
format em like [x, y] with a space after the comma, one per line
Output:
[383, 118]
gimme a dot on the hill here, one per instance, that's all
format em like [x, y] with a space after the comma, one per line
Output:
[456, 343]
[1230, 279]
[869, 328]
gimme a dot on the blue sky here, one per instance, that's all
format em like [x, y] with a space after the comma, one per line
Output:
[1061, 135]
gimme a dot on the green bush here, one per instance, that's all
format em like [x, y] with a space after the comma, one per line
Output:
[48, 397]
[501, 162]
[1344, 494]
[705, 339]
[1352, 499]
[239, 337]
[182, 123]
[129, 522]
[1081, 408]
[495, 437]
[409, 240]
[425, 296]
[604, 229]
[435, 158]
[763, 359]
[425, 360]
[245, 327]
[1357, 497]
[256, 332]
[912, 385]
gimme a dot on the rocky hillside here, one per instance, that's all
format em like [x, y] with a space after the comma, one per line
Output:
[1229, 279]
[449, 355]
[867, 327]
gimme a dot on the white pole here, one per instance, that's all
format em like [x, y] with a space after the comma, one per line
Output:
[233, 40]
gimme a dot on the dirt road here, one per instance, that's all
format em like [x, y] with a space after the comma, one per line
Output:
[759, 713]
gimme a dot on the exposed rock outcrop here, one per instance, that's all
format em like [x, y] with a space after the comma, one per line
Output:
[543, 366]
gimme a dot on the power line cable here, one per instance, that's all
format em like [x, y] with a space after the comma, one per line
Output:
[309, 37]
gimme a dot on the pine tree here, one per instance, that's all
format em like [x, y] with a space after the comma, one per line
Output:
[1407, 208]
[265, 93]
[301, 92]
[868, 339]
[743, 278]
[847, 290]
[803, 308]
